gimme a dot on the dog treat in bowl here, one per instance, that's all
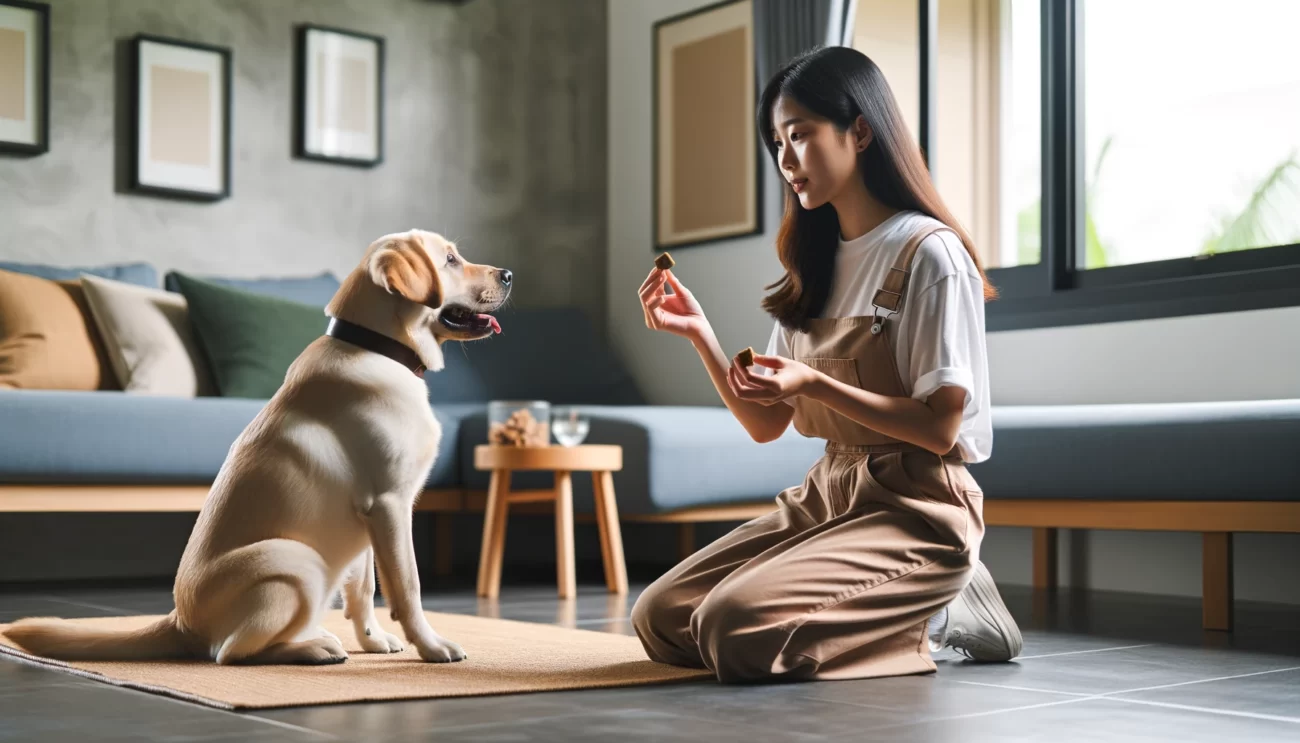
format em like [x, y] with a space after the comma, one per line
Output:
[516, 424]
[664, 261]
[746, 357]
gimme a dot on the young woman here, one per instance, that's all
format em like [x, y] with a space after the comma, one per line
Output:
[878, 347]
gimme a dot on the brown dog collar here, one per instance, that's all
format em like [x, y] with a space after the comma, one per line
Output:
[379, 343]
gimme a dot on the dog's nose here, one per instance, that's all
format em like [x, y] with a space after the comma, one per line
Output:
[505, 277]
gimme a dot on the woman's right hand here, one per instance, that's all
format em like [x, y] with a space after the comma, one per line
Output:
[677, 313]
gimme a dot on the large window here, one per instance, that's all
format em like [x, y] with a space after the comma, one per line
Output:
[1113, 159]
[1191, 128]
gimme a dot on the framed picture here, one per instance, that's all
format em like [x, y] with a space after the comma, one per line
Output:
[24, 77]
[180, 118]
[706, 154]
[339, 107]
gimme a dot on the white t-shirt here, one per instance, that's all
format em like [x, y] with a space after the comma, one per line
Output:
[940, 338]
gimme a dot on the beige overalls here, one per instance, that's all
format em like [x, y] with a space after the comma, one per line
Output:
[840, 580]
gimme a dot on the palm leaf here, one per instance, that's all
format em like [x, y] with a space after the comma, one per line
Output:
[1270, 217]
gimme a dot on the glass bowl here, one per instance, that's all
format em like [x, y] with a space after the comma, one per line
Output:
[569, 426]
[519, 423]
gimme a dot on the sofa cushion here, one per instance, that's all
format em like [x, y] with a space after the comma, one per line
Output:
[673, 457]
[249, 339]
[550, 353]
[47, 337]
[116, 438]
[148, 337]
[1165, 451]
[141, 274]
[314, 290]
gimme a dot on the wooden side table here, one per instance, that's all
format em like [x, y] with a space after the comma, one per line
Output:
[599, 459]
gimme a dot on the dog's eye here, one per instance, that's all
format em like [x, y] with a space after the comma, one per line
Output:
[451, 259]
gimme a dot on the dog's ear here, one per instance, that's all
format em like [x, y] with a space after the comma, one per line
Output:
[402, 266]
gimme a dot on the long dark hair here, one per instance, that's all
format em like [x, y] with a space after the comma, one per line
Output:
[840, 84]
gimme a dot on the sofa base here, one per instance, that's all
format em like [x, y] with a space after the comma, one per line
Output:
[1217, 521]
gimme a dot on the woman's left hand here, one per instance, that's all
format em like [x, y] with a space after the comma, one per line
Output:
[788, 379]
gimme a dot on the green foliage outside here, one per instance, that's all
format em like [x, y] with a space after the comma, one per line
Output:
[1271, 216]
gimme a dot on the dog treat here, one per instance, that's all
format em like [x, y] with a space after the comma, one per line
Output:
[520, 429]
[664, 261]
[746, 357]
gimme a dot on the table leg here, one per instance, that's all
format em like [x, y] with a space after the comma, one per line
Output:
[611, 535]
[564, 559]
[494, 535]
[600, 527]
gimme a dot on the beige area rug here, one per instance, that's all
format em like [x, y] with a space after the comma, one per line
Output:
[504, 657]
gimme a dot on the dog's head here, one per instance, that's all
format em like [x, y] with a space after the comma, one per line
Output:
[417, 284]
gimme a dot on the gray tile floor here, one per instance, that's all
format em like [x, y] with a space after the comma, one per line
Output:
[1104, 667]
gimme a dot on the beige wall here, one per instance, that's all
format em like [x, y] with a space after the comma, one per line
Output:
[888, 32]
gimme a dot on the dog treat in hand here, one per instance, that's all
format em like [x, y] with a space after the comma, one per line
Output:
[664, 261]
[746, 357]
[521, 429]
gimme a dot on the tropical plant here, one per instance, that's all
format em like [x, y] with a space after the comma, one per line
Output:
[1270, 217]
[1029, 223]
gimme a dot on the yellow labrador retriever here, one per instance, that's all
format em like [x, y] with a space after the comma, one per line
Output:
[319, 488]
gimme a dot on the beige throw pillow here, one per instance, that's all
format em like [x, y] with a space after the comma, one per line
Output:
[148, 338]
[47, 338]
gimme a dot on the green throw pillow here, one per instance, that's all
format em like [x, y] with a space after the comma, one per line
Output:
[249, 339]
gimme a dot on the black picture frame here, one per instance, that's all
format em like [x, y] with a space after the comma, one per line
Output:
[42, 145]
[136, 181]
[760, 155]
[301, 146]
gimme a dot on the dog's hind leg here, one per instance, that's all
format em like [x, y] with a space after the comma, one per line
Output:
[276, 619]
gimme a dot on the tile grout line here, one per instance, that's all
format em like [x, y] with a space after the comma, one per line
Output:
[1025, 688]
[86, 604]
[1209, 710]
[1081, 652]
[1201, 681]
[972, 715]
[1107, 696]
[230, 713]
[1127, 691]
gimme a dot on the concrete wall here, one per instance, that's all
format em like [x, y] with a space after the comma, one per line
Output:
[1250, 355]
[495, 136]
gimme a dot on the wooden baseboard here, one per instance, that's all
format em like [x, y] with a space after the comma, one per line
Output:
[150, 499]
[1193, 516]
[1202, 516]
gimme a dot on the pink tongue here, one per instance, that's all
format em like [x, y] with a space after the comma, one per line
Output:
[496, 326]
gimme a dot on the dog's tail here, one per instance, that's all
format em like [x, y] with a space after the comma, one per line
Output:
[63, 640]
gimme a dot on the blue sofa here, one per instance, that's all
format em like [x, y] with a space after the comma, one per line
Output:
[674, 457]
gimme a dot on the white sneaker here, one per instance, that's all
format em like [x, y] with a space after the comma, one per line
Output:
[979, 625]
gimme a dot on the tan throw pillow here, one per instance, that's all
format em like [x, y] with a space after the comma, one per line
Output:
[148, 338]
[47, 339]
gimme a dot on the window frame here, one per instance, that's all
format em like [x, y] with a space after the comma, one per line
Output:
[1055, 292]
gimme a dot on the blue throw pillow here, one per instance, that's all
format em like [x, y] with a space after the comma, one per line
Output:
[141, 274]
[314, 290]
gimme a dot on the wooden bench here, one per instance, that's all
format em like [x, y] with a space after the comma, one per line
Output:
[1217, 521]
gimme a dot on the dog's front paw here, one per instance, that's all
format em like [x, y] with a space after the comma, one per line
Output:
[441, 650]
[378, 641]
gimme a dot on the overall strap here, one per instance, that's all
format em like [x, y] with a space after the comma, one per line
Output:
[890, 296]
